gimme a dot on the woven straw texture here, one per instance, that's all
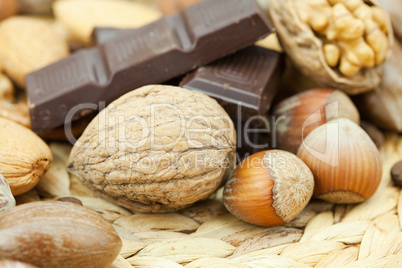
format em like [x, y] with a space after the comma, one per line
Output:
[206, 235]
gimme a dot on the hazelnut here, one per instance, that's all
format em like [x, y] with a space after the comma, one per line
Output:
[8, 8]
[345, 162]
[307, 110]
[269, 188]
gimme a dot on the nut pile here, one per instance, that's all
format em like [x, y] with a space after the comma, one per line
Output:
[156, 178]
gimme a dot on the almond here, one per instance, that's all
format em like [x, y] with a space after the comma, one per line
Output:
[81, 16]
[27, 44]
[55, 234]
[24, 157]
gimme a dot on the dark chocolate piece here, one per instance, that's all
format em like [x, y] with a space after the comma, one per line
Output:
[151, 54]
[251, 139]
[102, 34]
[243, 83]
[396, 174]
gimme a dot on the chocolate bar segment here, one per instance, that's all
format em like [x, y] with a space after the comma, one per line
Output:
[102, 34]
[244, 83]
[151, 54]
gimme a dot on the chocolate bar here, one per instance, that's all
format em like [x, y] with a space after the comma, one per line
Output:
[151, 54]
[102, 34]
[244, 83]
[251, 139]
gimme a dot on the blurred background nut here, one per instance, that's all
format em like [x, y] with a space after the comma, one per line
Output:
[6, 88]
[81, 16]
[8, 8]
[17, 112]
[35, 7]
[339, 44]
[24, 157]
[396, 173]
[169, 7]
[374, 133]
[57, 234]
[36, 45]
[7, 200]
[394, 7]
[298, 115]
[171, 148]
[15, 264]
[383, 106]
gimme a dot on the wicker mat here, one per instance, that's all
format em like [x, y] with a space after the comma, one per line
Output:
[206, 235]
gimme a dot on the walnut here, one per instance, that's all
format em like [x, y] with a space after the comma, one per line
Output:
[156, 149]
[338, 43]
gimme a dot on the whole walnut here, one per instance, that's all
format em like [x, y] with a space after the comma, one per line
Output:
[156, 149]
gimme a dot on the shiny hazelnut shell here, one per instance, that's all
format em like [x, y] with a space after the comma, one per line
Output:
[350, 174]
[307, 110]
[263, 192]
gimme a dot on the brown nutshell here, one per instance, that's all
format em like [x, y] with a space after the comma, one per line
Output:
[50, 233]
[171, 148]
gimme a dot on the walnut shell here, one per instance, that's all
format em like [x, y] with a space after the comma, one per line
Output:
[57, 234]
[305, 49]
[24, 157]
[156, 149]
